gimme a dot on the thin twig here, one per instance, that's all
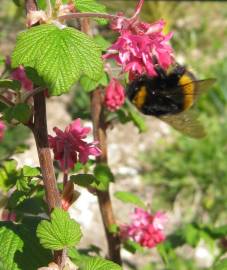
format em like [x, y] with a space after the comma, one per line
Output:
[6, 101]
[65, 179]
[31, 93]
[99, 131]
[49, 8]
[78, 15]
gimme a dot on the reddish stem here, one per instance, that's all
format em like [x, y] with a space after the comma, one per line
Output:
[39, 128]
[41, 137]
[89, 15]
[65, 179]
[99, 132]
[105, 205]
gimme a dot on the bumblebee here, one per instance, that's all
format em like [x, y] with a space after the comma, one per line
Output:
[170, 96]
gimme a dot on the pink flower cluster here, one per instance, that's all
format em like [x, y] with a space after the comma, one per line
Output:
[69, 145]
[114, 95]
[2, 130]
[20, 75]
[145, 229]
[139, 44]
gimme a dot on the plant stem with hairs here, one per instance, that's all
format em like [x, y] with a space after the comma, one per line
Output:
[39, 129]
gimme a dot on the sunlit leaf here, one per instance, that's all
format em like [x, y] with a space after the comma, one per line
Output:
[9, 244]
[91, 6]
[129, 197]
[60, 232]
[59, 55]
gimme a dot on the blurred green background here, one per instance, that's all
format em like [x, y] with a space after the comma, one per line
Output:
[187, 174]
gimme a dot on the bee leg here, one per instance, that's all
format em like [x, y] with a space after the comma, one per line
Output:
[160, 71]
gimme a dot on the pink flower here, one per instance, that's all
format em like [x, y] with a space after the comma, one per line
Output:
[145, 229]
[139, 44]
[20, 75]
[2, 130]
[114, 96]
[69, 145]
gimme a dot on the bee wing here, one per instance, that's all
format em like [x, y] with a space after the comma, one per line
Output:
[187, 123]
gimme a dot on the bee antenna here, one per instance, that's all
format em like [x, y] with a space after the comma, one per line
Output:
[160, 71]
[154, 60]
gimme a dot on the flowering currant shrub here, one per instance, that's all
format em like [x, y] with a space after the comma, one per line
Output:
[37, 70]
[49, 58]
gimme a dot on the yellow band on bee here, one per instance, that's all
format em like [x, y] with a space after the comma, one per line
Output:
[140, 97]
[188, 87]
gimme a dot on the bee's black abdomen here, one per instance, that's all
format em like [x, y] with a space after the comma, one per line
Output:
[156, 96]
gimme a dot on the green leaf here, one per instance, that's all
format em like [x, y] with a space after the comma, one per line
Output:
[59, 55]
[9, 244]
[8, 175]
[3, 106]
[217, 232]
[60, 232]
[13, 143]
[15, 199]
[22, 184]
[102, 42]
[91, 6]
[113, 228]
[163, 253]
[129, 197]
[31, 171]
[90, 85]
[77, 257]
[18, 3]
[103, 175]
[33, 75]
[191, 235]
[132, 246]
[83, 180]
[11, 84]
[2, 60]
[138, 120]
[26, 205]
[20, 112]
[33, 255]
[222, 265]
[41, 4]
[98, 263]
[128, 113]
